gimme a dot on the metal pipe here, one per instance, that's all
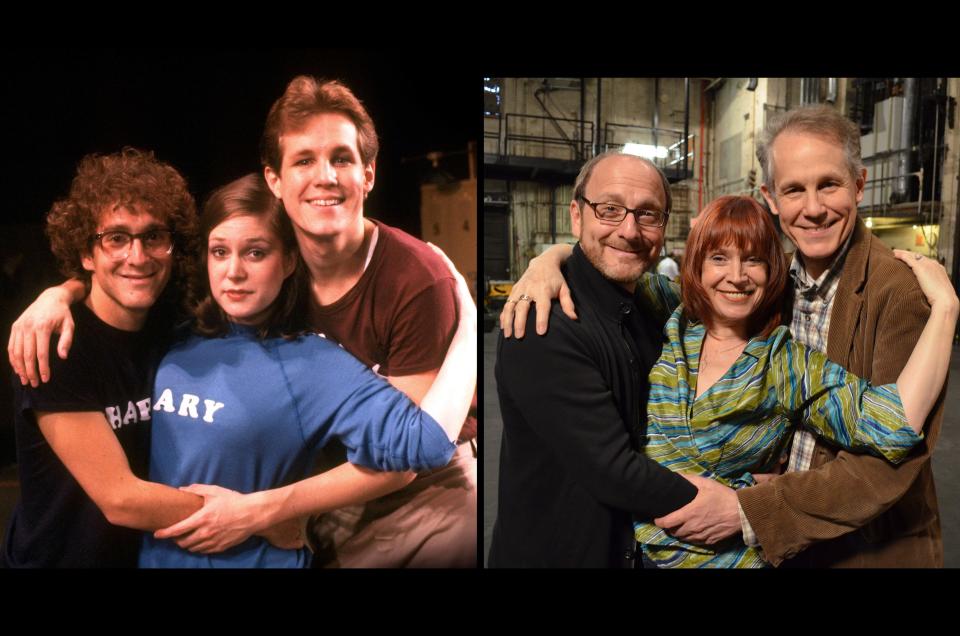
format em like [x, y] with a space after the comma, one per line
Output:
[809, 90]
[905, 156]
[832, 90]
[686, 122]
[512, 233]
[936, 147]
[596, 125]
[920, 195]
[583, 116]
[553, 215]
[656, 109]
[506, 134]
[715, 84]
[701, 143]
[935, 205]
[553, 120]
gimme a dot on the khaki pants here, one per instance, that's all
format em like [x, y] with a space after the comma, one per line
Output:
[432, 523]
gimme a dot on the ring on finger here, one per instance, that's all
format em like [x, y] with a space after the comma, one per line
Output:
[524, 297]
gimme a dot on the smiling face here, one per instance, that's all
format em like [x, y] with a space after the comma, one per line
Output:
[122, 290]
[814, 194]
[734, 282]
[322, 180]
[247, 265]
[625, 251]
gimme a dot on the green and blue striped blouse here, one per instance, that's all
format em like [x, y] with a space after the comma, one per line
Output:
[743, 423]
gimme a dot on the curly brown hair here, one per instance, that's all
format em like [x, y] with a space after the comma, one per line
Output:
[127, 178]
[305, 97]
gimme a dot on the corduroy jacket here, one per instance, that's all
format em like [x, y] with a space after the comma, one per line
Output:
[857, 510]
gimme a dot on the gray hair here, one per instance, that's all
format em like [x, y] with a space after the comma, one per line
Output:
[820, 120]
[580, 185]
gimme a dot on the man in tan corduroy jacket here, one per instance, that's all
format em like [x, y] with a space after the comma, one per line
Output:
[853, 299]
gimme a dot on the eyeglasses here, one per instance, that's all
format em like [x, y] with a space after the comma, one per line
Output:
[614, 214]
[116, 243]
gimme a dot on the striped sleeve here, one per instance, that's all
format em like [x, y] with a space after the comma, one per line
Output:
[661, 294]
[839, 406]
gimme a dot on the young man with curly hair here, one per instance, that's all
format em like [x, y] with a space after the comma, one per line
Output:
[127, 227]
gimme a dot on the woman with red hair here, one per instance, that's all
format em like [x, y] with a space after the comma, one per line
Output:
[731, 384]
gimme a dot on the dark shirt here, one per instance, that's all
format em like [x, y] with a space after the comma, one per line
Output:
[108, 371]
[383, 319]
[574, 410]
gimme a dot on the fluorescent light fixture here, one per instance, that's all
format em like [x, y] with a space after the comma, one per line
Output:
[645, 150]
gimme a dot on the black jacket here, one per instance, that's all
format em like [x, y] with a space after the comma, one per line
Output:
[574, 414]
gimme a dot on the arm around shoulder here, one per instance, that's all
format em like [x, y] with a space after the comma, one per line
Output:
[28, 346]
[795, 510]
[538, 286]
[448, 399]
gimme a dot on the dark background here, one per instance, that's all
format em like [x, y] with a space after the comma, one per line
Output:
[202, 112]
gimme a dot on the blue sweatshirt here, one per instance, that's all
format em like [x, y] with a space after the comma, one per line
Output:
[250, 415]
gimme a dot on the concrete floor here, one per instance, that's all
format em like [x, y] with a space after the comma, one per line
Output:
[946, 468]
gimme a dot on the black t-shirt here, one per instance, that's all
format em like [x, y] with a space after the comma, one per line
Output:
[109, 371]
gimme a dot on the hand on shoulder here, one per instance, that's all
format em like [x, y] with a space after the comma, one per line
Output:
[933, 280]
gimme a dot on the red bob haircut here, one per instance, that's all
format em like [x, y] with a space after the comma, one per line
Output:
[740, 222]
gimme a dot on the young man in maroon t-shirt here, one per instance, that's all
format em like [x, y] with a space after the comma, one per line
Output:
[389, 300]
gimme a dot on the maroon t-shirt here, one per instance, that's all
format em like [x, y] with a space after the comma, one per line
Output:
[400, 317]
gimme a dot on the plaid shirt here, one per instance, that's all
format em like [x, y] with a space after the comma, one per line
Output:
[812, 304]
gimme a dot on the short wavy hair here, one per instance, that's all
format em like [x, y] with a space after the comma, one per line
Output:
[742, 222]
[250, 196]
[821, 120]
[129, 178]
[305, 97]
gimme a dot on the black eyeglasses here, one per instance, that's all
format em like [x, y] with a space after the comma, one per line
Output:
[116, 243]
[614, 214]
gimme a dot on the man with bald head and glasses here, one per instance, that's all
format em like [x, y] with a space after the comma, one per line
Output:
[574, 401]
